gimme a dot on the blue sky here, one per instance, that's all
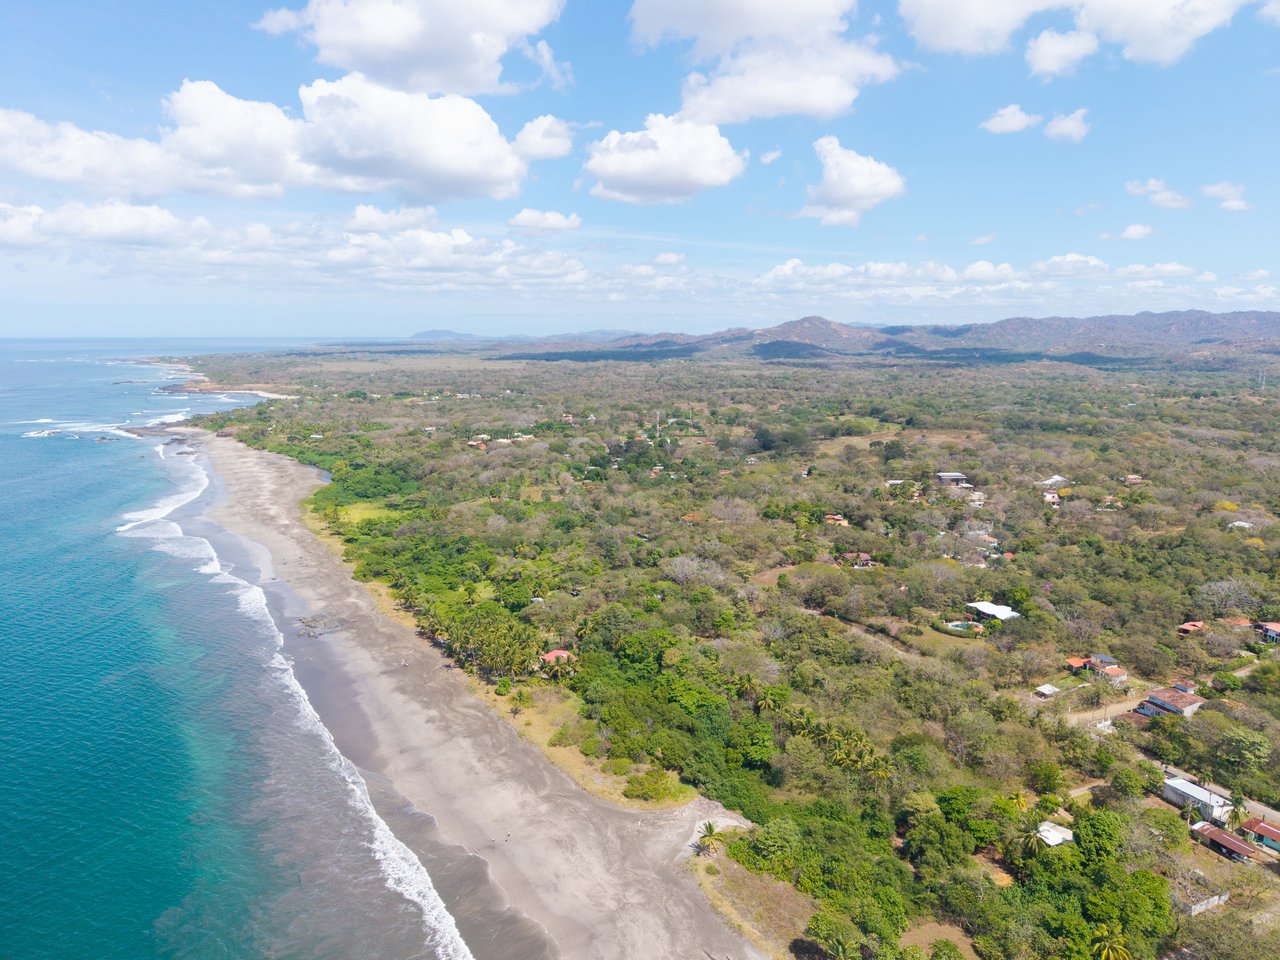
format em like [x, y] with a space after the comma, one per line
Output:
[339, 167]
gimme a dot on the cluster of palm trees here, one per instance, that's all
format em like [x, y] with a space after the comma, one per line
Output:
[486, 638]
[846, 748]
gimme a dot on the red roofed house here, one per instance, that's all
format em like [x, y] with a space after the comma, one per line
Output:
[1191, 626]
[1269, 631]
[1223, 843]
[1170, 700]
[1116, 674]
[553, 655]
[1078, 663]
[1259, 831]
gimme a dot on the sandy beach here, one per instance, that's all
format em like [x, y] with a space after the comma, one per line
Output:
[599, 882]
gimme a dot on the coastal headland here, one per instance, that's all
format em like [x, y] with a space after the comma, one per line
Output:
[604, 882]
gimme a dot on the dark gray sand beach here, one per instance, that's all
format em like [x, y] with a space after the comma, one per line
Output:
[530, 865]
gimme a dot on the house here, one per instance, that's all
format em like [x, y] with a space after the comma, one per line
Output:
[1097, 661]
[1223, 843]
[978, 498]
[1259, 831]
[1116, 675]
[1184, 793]
[859, 561]
[1269, 631]
[1054, 834]
[1051, 497]
[1132, 479]
[1047, 690]
[1054, 482]
[1076, 664]
[551, 656]
[835, 519]
[1190, 627]
[994, 611]
[1170, 700]
[952, 479]
[1110, 503]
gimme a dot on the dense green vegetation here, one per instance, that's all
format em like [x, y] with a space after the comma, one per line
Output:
[752, 608]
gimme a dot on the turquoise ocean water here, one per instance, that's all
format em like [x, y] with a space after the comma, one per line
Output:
[167, 789]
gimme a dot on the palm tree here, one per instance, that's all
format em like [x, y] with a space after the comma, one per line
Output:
[1029, 842]
[767, 701]
[519, 700]
[1109, 943]
[1239, 810]
[709, 838]
[1020, 800]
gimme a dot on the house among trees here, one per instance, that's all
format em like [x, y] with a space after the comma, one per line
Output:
[835, 519]
[1054, 834]
[993, 611]
[1047, 690]
[1269, 631]
[1180, 699]
[1101, 664]
[1054, 482]
[1183, 793]
[1259, 831]
[1052, 498]
[1190, 627]
[1223, 843]
[952, 479]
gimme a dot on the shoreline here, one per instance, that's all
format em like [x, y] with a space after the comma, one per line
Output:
[601, 882]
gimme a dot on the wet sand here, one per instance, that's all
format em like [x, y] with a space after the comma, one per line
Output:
[586, 879]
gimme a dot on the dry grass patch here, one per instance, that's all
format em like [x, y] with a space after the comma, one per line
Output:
[766, 911]
[923, 934]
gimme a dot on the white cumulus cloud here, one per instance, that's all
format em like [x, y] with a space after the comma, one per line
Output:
[1149, 31]
[353, 135]
[1136, 231]
[544, 138]
[370, 219]
[669, 259]
[668, 161]
[1053, 54]
[1158, 192]
[770, 157]
[851, 185]
[1068, 126]
[765, 59]
[1010, 119]
[434, 46]
[544, 221]
[1230, 195]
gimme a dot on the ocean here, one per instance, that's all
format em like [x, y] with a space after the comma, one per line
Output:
[168, 790]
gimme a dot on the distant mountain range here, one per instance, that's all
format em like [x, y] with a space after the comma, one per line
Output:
[1112, 341]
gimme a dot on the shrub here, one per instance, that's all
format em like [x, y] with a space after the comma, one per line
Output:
[618, 766]
[653, 784]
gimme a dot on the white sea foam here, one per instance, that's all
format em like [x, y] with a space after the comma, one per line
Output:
[402, 870]
[196, 481]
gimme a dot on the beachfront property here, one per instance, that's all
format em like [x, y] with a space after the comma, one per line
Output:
[1224, 844]
[993, 611]
[1183, 793]
[1054, 834]
[1262, 833]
